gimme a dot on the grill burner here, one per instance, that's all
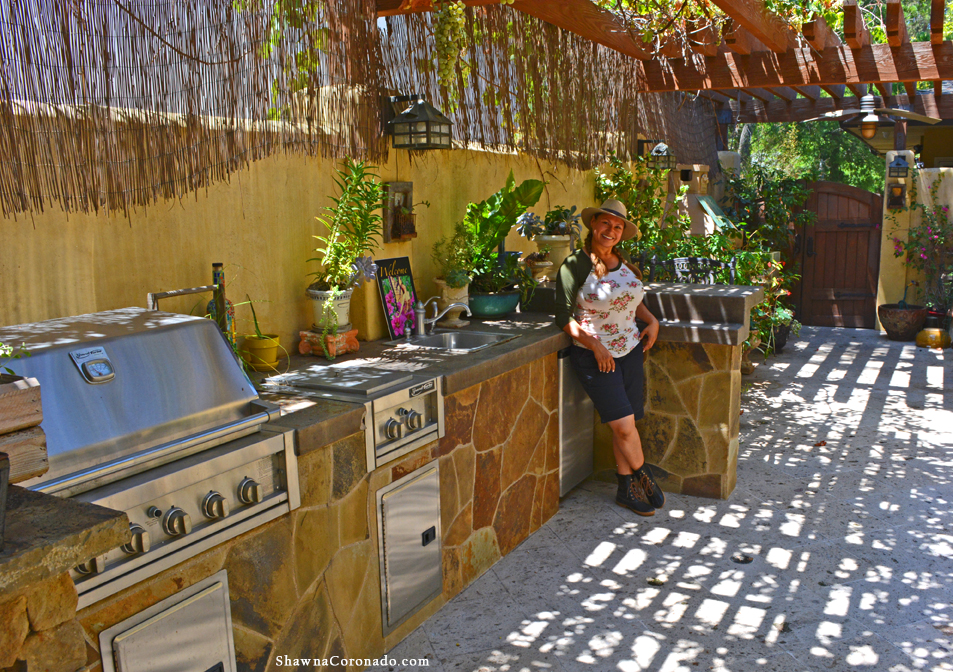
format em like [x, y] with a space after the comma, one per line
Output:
[150, 413]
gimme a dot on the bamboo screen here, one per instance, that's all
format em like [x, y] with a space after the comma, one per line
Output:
[115, 104]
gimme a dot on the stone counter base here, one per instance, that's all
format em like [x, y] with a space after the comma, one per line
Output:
[692, 412]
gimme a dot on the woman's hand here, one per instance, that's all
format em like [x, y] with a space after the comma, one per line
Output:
[605, 361]
[648, 335]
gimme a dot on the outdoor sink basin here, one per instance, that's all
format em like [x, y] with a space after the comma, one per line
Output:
[458, 341]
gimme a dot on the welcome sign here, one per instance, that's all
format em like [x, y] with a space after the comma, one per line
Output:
[396, 285]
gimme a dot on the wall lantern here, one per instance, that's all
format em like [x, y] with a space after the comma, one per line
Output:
[898, 167]
[420, 126]
[896, 196]
[660, 157]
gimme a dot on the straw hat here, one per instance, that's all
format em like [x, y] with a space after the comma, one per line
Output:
[616, 209]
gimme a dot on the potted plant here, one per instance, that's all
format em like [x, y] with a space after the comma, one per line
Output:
[498, 279]
[354, 227]
[454, 260]
[259, 351]
[558, 230]
[539, 264]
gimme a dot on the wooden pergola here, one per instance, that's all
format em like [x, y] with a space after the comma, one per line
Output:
[765, 71]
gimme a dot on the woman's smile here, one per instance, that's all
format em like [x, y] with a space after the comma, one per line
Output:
[607, 230]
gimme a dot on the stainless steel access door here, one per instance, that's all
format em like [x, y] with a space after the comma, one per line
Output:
[576, 427]
[408, 514]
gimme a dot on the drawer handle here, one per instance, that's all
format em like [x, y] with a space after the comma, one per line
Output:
[428, 536]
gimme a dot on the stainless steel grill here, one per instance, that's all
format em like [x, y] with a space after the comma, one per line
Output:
[150, 413]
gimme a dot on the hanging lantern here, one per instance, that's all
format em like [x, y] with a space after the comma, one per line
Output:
[660, 157]
[420, 126]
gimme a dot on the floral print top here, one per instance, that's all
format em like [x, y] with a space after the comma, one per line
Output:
[605, 308]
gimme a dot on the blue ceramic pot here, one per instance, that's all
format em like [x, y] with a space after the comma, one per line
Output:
[497, 304]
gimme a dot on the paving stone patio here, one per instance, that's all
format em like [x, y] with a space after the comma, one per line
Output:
[841, 522]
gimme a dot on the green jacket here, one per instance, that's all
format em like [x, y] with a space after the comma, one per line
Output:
[573, 272]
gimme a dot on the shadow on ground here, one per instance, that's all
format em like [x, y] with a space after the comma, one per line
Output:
[835, 552]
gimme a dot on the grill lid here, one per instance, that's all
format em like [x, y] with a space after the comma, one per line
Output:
[119, 382]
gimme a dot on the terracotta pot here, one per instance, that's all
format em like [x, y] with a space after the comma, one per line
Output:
[901, 324]
[450, 295]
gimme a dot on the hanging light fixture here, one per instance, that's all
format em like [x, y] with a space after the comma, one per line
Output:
[420, 126]
[870, 122]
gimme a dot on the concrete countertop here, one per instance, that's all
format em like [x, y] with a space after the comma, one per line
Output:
[46, 536]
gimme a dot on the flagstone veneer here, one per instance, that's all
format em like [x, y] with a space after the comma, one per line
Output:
[690, 429]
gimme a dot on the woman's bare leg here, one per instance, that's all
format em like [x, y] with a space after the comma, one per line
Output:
[626, 445]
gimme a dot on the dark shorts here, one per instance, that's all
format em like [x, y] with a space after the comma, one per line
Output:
[616, 394]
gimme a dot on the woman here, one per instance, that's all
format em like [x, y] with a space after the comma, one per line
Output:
[598, 297]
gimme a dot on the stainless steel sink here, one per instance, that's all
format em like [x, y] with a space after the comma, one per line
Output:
[457, 341]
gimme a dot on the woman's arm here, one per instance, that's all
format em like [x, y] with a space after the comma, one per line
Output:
[603, 358]
[650, 333]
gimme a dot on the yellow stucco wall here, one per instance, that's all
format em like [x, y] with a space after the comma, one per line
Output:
[260, 225]
[937, 143]
[894, 272]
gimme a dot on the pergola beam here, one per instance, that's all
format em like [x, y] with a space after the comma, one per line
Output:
[812, 92]
[897, 35]
[740, 41]
[765, 26]
[855, 30]
[835, 90]
[819, 35]
[876, 63]
[803, 109]
[937, 11]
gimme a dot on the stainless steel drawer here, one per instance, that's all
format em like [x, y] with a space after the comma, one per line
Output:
[408, 523]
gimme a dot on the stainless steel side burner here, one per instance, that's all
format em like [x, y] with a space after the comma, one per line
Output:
[403, 411]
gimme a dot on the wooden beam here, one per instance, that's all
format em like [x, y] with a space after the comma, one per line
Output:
[586, 19]
[581, 17]
[900, 134]
[938, 87]
[812, 92]
[876, 63]
[715, 96]
[804, 109]
[761, 94]
[855, 30]
[765, 26]
[819, 35]
[704, 39]
[784, 92]
[911, 89]
[896, 25]
[937, 12]
[835, 90]
[740, 41]
[858, 89]
[885, 89]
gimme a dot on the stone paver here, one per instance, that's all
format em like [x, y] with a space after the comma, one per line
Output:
[842, 512]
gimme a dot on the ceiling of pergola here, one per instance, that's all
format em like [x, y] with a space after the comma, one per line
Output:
[765, 71]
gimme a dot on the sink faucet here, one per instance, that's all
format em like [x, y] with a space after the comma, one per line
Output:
[420, 311]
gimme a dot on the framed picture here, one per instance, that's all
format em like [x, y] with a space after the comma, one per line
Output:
[398, 295]
[398, 212]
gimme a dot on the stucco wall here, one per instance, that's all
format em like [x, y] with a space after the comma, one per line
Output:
[260, 225]
[895, 274]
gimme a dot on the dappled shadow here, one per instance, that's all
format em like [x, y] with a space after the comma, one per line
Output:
[835, 552]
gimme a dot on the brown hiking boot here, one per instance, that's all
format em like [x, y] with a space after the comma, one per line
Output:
[653, 493]
[632, 495]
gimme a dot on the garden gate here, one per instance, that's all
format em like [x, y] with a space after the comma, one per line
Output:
[840, 257]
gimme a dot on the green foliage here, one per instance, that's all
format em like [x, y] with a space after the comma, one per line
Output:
[560, 221]
[929, 244]
[453, 256]
[353, 223]
[8, 352]
[816, 150]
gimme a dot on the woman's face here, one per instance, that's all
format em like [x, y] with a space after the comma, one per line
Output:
[607, 229]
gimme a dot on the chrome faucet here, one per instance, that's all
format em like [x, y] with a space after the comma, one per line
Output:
[420, 312]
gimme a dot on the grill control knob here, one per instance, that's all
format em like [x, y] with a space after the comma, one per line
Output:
[177, 522]
[415, 420]
[92, 566]
[140, 542]
[393, 429]
[214, 505]
[249, 491]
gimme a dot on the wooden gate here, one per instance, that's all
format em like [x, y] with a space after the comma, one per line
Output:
[840, 257]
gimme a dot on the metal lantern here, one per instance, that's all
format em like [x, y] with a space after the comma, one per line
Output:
[898, 167]
[420, 126]
[896, 196]
[660, 157]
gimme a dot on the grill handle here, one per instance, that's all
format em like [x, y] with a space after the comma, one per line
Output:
[70, 482]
